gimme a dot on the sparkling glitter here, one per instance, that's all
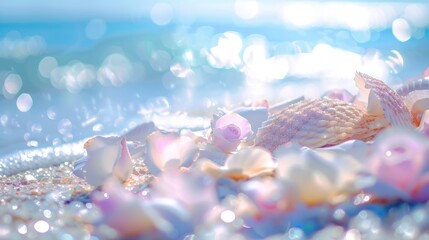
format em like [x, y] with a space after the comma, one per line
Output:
[339, 214]
[22, 228]
[295, 233]
[47, 213]
[41, 226]
[51, 113]
[227, 216]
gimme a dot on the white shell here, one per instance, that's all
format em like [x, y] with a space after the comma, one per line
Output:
[417, 103]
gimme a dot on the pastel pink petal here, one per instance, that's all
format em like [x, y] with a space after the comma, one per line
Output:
[126, 213]
[225, 145]
[270, 194]
[230, 131]
[237, 120]
[168, 150]
[421, 189]
[112, 196]
[399, 156]
[106, 156]
[383, 190]
[251, 162]
[124, 165]
[192, 189]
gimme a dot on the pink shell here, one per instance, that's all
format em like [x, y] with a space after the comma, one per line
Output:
[391, 103]
[325, 122]
[318, 123]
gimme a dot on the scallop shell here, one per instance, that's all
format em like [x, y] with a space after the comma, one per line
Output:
[381, 99]
[417, 102]
[318, 123]
[325, 122]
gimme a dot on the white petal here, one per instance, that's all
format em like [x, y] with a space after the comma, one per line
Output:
[102, 155]
[106, 156]
[251, 162]
[164, 147]
[123, 165]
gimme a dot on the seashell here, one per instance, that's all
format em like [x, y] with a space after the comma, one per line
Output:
[382, 100]
[339, 94]
[106, 156]
[325, 122]
[246, 163]
[417, 102]
[318, 123]
[424, 123]
[276, 108]
[169, 150]
[419, 84]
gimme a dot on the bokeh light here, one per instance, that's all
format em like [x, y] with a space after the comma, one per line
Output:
[161, 13]
[401, 29]
[47, 65]
[246, 9]
[12, 85]
[24, 102]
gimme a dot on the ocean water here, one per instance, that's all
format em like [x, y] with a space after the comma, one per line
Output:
[71, 71]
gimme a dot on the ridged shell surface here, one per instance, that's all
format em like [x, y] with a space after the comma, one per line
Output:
[318, 123]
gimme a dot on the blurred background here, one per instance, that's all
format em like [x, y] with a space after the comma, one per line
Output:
[73, 69]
